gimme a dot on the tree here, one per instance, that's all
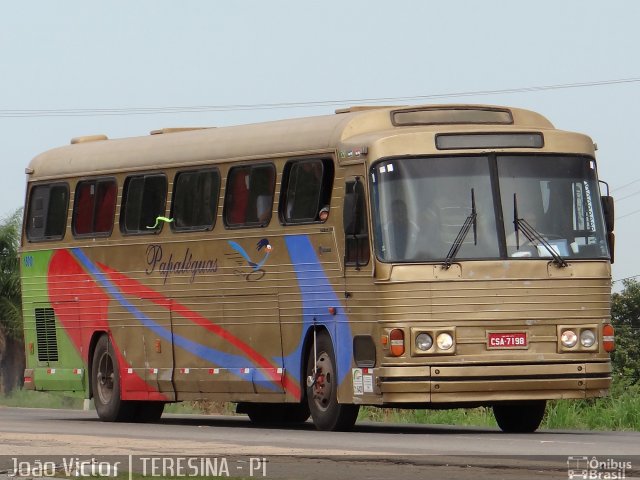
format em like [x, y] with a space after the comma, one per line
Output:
[11, 337]
[625, 313]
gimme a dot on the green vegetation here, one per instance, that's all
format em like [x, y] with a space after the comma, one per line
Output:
[32, 399]
[11, 343]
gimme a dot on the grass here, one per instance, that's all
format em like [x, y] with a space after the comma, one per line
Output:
[620, 411]
[33, 399]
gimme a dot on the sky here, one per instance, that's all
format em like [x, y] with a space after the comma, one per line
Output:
[113, 61]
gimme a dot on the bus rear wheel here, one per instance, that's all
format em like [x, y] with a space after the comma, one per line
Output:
[520, 417]
[322, 389]
[105, 384]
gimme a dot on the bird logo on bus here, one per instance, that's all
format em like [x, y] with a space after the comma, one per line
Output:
[255, 265]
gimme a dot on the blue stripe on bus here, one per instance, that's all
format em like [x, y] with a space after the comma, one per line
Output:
[318, 296]
[222, 360]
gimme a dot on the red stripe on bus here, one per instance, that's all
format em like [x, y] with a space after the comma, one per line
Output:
[136, 289]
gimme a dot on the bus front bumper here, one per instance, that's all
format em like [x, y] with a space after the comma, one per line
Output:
[486, 383]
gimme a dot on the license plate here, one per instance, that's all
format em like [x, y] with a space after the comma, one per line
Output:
[507, 340]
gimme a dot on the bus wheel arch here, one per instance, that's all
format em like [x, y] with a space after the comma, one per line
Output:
[106, 383]
[322, 382]
[92, 348]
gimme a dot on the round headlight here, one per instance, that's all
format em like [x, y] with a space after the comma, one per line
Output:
[444, 341]
[569, 338]
[424, 342]
[587, 338]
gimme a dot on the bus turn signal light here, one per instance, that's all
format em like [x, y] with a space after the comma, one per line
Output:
[397, 342]
[608, 338]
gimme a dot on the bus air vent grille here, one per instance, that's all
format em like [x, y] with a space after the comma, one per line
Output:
[46, 335]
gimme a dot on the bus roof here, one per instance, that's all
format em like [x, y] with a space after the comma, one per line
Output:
[94, 155]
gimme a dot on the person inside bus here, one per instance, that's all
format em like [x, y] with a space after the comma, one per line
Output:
[401, 231]
[305, 182]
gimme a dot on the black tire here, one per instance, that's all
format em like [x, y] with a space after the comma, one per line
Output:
[322, 394]
[276, 413]
[105, 384]
[520, 417]
[147, 411]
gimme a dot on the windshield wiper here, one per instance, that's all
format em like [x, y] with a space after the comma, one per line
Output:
[520, 224]
[470, 221]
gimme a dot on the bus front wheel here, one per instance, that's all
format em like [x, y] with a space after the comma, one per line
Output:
[105, 378]
[520, 417]
[322, 389]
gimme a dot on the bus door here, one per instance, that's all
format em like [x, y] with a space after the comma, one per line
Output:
[357, 250]
[358, 270]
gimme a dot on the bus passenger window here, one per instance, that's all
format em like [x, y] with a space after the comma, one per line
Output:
[47, 213]
[249, 196]
[93, 207]
[195, 200]
[306, 191]
[143, 202]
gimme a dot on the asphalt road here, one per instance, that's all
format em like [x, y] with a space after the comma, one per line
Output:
[371, 451]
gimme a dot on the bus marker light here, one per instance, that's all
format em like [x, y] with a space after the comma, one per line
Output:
[384, 340]
[332, 310]
[77, 371]
[397, 342]
[158, 346]
[28, 380]
[608, 338]
[129, 370]
[31, 349]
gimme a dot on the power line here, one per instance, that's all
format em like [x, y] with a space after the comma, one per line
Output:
[628, 196]
[97, 112]
[626, 278]
[628, 214]
[626, 185]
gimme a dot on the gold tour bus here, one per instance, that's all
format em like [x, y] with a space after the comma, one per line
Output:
[446, 256]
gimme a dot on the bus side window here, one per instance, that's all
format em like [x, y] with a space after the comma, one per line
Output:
[306, 190]
[47, 214]
[143, 202]
[195, 200]
[93, 207]
[249, 196]
[356, 233]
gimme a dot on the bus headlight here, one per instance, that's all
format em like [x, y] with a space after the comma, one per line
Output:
[587, 338]
[424, 342]
[569, 338]
[444, 341]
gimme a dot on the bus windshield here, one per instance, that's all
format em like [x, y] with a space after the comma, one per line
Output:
[423, 207]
